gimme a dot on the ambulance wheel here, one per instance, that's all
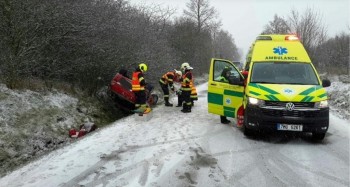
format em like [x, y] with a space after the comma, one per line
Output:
[318, 136]
[246, 131]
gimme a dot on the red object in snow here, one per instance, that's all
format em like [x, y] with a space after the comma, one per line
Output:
[72, 132]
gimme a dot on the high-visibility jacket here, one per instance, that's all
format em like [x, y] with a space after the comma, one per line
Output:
[138, 81]
[186, 81]
[223, 79]
[194, 95]
[168, 79]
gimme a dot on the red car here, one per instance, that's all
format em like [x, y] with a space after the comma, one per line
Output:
[121, 93]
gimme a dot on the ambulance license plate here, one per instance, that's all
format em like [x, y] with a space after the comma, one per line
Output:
[289, 127]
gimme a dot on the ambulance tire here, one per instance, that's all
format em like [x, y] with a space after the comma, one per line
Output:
[318, 136]
[246, 131]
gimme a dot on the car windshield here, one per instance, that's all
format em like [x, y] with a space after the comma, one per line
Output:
[283, 73]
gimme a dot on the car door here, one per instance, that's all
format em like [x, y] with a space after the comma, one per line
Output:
[224, 98]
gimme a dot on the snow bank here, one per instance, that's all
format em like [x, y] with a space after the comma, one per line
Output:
[33, 123]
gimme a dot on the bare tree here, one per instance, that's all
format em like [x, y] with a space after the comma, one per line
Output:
[309, 27]
[278, 26]
[201, 13]
[333, 55]
[224, 46]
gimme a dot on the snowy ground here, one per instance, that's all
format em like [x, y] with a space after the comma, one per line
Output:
[33, 123]
[169, 148]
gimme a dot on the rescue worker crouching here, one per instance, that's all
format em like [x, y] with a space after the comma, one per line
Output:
[167, 81]
[138, 87]
[186, 87]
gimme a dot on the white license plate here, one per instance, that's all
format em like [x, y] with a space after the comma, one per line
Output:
[289, 127]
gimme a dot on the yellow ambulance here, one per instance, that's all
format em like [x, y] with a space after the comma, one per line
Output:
[278, 89]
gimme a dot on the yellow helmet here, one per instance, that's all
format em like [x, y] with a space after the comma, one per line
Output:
[143, 67]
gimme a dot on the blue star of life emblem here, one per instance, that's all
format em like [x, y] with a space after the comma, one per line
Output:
[280, 50]
[288, 91]
[228, 101]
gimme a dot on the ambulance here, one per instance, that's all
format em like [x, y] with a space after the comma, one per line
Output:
[278, 89]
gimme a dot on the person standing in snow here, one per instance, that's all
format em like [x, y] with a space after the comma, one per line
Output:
[138, 87]
[167, 81]
[186, 80]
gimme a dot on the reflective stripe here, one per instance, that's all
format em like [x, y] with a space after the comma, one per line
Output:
[263, 88]
[185, 89]
[322, 95]
[135, 82]
[162, 81]
[307, 99]
[167, 78]
[310, 90]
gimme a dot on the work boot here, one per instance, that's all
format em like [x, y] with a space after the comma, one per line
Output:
[179, 104]
[186, 108]
[167, 102]
[224, 120]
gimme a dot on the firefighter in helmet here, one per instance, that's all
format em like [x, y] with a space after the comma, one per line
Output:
[167, 81]
[138, 87]
[186, 80]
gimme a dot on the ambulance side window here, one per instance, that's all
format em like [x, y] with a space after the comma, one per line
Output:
[223, 71]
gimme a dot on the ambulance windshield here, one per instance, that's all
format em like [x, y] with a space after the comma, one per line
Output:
[283, 73]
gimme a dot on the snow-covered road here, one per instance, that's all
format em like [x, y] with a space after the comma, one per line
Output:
[169, 148]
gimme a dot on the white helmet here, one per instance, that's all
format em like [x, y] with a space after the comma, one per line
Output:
[185, 66]
[178, 73]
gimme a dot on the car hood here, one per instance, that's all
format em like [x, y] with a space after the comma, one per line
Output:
[287, 92]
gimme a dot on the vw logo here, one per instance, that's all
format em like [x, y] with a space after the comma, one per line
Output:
[290, 106]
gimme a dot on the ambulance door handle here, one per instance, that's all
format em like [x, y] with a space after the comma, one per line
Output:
[213, 84]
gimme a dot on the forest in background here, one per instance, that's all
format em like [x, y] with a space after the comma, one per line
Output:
[83, 43]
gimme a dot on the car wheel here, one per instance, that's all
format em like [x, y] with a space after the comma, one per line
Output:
[318, 136]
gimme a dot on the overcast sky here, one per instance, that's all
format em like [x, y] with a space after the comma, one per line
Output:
[245, 19]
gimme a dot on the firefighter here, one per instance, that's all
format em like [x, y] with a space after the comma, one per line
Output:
[138, 87]
[194, 96]
[186, 87]
[167, 81]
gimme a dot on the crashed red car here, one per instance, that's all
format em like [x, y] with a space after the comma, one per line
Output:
[121, 93]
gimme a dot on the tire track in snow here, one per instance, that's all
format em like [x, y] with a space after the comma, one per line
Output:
[114, 156]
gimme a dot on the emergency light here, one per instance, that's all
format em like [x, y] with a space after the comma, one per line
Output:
[292, 38]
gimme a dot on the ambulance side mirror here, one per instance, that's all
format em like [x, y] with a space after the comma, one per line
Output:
[326, 83]
[245, 74]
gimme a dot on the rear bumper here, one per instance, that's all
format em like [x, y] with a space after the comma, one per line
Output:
[267, 119]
